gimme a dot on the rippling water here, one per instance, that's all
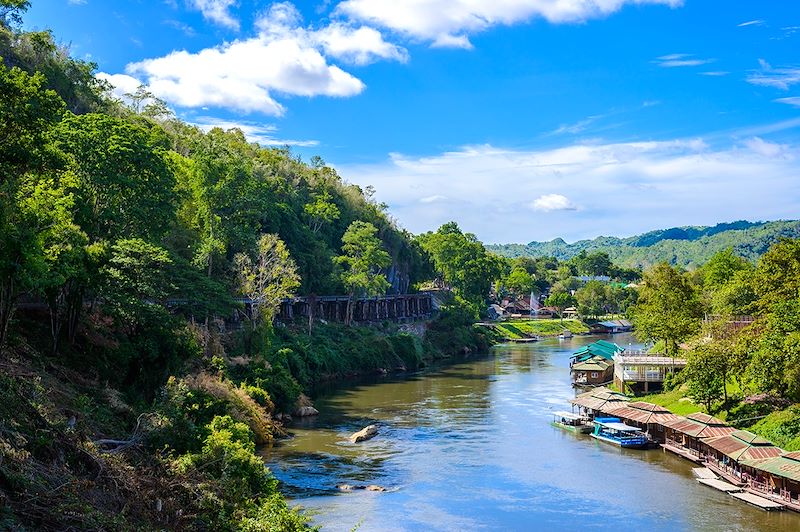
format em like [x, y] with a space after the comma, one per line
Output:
[469, 447]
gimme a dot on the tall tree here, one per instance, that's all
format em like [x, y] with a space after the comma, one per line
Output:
[462, 261]
[668, 308]
[267, 280]
[29, 162]
[777, 277]
[363, 257]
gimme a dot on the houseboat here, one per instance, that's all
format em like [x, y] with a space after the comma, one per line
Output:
[572, 422]
[612, 430]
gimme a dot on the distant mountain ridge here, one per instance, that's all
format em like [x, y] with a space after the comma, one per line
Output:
[683, 246]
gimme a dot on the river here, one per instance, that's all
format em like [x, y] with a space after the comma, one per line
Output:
[469, 447]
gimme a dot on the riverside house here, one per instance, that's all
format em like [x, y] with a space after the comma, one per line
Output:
[640, 371]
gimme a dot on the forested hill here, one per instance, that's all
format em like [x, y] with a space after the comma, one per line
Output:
[683, 246]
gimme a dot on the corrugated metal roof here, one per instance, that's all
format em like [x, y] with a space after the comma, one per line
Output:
[782, 466]
[650, 407]
[743, 445]
[592, 364]
[600, 348]
[705, 419]
[597, 398]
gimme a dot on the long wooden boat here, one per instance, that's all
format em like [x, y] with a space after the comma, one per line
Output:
[612, 430]
[572, 422]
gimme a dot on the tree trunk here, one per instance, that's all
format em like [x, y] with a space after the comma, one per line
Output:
[8, 299]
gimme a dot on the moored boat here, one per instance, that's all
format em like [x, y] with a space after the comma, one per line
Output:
[566, 333]
[612, 430]
[572, 422]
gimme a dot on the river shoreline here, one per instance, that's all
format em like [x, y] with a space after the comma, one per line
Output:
[469, 445]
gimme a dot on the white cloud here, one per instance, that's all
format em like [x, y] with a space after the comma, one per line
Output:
[122, 84]
[217, 11]
[767, 149]
[757, 22]
[263, 134]
[77, 2]
[778, 77]
[449, 22]
[621, 188]
[680, 60]
[579, 126]
[283, 58]
[794, 101]
[431, 199]
[715, 73]
[553, 202]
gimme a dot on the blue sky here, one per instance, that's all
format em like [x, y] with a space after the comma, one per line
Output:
[520, 119]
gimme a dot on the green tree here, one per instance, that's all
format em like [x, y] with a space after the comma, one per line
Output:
[560, 301]
[462, 262]
[668, 308]
[519, 282]
[267, 280]
[29, 170]
[706, 370]
[777, 277]
[321, 211]
[592, 299]
[363, 257]
[721, 269]
[11, 11]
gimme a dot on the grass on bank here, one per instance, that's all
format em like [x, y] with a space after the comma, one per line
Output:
[523, 328]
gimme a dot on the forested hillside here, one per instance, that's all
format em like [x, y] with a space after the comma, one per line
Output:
[681, 246]
[128, 398]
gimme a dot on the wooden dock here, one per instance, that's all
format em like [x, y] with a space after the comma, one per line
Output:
[682, 453]
[523, 340]
[720, 485]
[704, 472]
[759, 502]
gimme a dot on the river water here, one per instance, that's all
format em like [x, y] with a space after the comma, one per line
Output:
[470, 447]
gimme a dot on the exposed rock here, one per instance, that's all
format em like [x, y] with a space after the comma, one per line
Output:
[305, 411]
[371, 487]
[370, 431]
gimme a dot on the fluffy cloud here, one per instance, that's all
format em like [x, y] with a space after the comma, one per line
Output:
[552, 202]
[778, 77]
[450, 22]
[283, 58]
[217, 11]
[664, 183]
[121, 84]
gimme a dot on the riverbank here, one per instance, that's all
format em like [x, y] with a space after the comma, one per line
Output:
[528, 328]
[468, 445]
[84, 450]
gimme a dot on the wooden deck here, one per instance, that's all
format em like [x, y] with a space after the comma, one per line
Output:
[720, 485]
[759, 502]
[704, 472]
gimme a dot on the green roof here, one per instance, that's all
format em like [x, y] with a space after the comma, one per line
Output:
[782, 466]
[600, 348]
[592, 364]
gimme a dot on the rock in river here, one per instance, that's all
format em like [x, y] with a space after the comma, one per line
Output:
[370, 431]
[305, 411]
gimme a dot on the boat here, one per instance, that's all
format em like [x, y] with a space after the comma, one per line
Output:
[572, 422]
[612, 430]
[566, 333]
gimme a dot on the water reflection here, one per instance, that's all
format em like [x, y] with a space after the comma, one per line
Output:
[470, 446]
